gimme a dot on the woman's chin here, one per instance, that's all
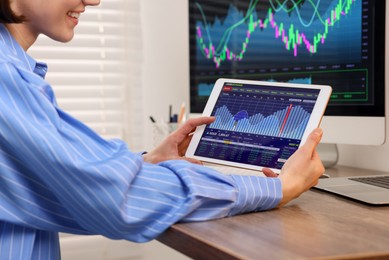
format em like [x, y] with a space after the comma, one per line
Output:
[62, 37]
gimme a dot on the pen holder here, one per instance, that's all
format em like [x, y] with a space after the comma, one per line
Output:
[162, 130]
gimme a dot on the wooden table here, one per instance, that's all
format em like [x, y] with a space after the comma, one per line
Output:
[318, 225]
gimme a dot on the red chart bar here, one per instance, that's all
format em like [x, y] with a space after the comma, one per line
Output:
[285, 119]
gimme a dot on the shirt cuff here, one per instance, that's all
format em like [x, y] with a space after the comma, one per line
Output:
[256, 193]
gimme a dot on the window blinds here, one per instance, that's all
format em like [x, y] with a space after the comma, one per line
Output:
[90, 74]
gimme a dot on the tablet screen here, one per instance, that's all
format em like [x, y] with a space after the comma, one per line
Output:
[257, 125]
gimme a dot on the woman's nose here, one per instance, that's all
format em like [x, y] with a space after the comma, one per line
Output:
[91, 2]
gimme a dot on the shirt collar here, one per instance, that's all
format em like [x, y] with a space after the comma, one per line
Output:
[25, 60]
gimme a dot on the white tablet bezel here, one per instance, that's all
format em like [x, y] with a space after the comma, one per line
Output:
[314, 121]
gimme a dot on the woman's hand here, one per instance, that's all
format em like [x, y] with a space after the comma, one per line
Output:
[302, 170]
[174, 146]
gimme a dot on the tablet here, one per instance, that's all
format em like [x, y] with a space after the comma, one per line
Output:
[257, 123]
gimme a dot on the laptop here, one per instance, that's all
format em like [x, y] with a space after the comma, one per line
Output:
[373, 190]
[257, 124]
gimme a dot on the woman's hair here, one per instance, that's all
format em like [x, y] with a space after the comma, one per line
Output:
[7, 15]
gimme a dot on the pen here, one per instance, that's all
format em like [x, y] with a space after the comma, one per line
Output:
[182, 113]
[170, 113]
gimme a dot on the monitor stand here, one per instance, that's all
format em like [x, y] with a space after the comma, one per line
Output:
[329, 154]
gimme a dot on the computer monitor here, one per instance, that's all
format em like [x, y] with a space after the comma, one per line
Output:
[332, 42]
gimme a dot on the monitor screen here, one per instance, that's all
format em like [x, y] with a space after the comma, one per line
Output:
[328, 42]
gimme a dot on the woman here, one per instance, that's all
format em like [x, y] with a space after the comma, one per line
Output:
[57, 175]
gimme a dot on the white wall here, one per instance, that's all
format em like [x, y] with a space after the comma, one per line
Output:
[166, 75]
[100, 248]
[166, 63]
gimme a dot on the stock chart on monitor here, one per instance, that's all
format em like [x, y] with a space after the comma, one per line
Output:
[327, 42]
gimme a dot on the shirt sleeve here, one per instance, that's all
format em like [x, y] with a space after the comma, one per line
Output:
[59, 175]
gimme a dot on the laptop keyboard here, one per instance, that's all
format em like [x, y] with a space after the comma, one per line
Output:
[380, 181]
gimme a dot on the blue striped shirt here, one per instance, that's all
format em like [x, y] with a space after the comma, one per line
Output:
[57, 175]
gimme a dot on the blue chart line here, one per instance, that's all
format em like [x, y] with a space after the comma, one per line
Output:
[204, 89]
[307, 80]
[286, 123]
